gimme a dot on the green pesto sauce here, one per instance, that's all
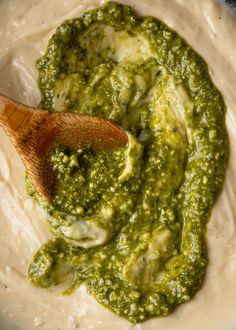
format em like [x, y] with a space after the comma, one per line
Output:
[130, 223]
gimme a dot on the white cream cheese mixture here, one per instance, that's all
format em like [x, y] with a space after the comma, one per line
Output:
[25, 28]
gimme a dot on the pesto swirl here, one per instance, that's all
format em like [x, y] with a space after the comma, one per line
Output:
[130, 223]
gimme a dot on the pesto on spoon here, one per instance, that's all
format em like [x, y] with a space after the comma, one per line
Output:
[34, 132]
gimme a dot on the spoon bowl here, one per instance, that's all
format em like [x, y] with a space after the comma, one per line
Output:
[34, 132]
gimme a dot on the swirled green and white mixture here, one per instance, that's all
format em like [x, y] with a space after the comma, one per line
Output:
[130, 223]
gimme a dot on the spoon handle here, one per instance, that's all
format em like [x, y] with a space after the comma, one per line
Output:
[14, 117]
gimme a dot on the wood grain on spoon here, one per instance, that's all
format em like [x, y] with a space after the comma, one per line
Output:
[33, 131]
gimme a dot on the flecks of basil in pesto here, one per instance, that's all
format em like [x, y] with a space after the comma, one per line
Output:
[130, 224]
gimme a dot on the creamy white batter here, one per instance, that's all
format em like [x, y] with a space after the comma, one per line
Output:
[25, 27]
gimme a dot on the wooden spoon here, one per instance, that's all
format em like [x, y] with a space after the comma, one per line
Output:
[34, 131]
